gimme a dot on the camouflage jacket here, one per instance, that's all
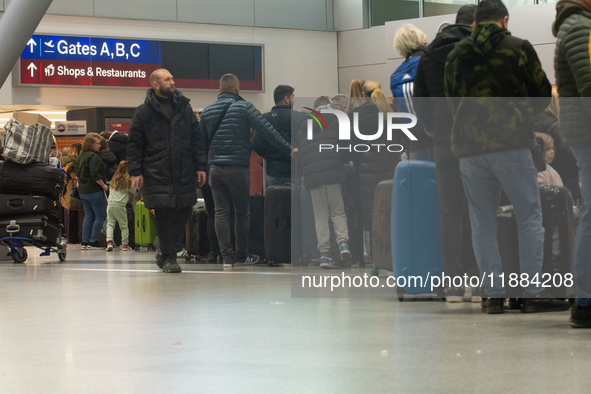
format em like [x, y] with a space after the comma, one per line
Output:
[490, 79]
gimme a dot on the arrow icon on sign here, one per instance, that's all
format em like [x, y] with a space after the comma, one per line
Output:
[32, 67]
[32, 43]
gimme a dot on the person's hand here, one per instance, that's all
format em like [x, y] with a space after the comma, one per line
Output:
[105, 187]
[201, 178]
[137, 181]
[294, 153]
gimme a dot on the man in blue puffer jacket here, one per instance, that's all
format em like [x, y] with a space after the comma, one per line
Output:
[225, 127]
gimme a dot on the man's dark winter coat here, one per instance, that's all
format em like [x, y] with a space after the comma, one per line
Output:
[230, 146]
[167, 153]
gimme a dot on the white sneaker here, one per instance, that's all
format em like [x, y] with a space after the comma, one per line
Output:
[476, 295]
[183, 253]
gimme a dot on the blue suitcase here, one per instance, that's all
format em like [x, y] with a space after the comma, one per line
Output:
[416, 249]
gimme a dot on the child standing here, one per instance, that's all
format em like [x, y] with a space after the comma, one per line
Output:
[116, 211]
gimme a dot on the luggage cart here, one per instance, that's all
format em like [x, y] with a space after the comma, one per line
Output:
[17, 244]
[19, 253]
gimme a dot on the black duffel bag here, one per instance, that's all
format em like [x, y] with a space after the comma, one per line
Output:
[33, 178]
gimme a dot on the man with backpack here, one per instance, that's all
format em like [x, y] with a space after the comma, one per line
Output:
[225, 127]
[284, 119]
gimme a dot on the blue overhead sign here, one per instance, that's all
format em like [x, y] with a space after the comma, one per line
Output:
[93, 61]
[92, 49]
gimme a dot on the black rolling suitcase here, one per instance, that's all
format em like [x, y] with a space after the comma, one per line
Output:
[197, 244]
[37, 227]
[558, 223]
[278, 224]
[12, 205]
[256, 238]
[381, 241]
[32, 178]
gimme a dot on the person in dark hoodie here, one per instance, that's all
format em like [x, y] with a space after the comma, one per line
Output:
[433, 111]
[490, 78]
[108, 158]
[572, 29]
[118, 145]
[284, 119]
[165, 156]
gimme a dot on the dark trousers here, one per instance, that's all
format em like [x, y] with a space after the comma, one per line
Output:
[231, 187]
[210, 208]
[454, 223]
[170, 224]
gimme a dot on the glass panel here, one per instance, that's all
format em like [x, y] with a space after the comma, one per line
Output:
[516, 3]
[383, 11]
[444, 7]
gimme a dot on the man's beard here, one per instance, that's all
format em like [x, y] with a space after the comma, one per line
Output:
[166, 93]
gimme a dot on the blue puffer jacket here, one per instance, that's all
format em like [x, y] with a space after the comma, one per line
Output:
[231, 144]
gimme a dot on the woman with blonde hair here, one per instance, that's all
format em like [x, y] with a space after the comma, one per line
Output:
[374, 165]
[410, 43]
[355, 95]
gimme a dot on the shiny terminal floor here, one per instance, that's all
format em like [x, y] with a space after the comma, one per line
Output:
[113, 323]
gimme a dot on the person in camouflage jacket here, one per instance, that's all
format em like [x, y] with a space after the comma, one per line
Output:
[490, 78]
[494, 73]
[572, 62]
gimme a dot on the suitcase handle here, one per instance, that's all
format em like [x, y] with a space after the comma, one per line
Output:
[13, 227]
[16, 202]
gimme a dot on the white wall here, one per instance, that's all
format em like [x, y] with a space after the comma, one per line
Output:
[304, 59]
[369, 54]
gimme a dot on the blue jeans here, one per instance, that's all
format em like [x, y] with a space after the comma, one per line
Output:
[582, 247]
[425, 154]
[482, 176]
[95, 208]
[277, 180]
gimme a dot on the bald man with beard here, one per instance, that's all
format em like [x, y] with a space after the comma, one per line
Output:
[166, 159]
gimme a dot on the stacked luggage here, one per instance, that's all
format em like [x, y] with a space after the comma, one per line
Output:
[30, 189]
